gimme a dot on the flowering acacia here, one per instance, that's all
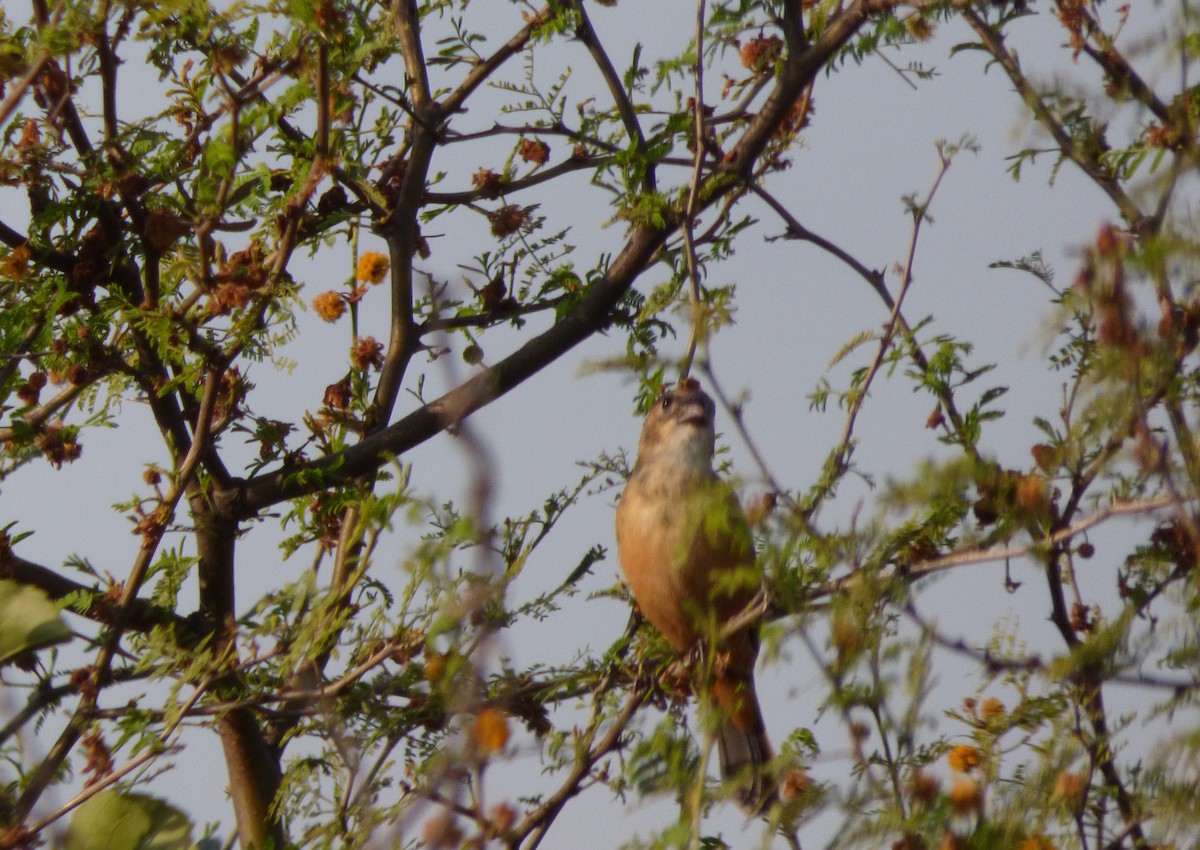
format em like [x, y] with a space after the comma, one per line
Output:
[161, 254]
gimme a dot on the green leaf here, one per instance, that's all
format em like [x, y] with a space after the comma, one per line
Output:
[116, 821]
[28, 621]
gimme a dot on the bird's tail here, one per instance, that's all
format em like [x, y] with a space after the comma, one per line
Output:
[742, 743]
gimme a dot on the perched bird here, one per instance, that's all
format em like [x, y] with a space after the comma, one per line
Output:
[687, 555]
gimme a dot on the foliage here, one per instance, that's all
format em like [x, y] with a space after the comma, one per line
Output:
[159, 256]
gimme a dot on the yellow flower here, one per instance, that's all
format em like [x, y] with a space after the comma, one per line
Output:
[964, 758]
[372, 266]
[329, 306]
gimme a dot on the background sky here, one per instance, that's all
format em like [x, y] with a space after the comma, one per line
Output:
[871, 142]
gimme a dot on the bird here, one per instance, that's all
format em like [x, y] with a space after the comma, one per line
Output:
[688, 558]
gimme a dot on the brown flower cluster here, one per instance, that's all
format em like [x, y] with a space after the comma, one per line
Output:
[161, 229]
[338, 396]
[366, 353]
[30, 391]
[241, 275]
[488, 182]
[532, 150]
[760, 53]
[58, 444]
[1102, 280]
[507, 220]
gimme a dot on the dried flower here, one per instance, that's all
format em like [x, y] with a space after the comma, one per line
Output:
[58, 444]
[28, 394]
[162, 229]
[795, 783]
[760, 52]
[334, 200]
[501, 818]
[532, 150]
[1070, 788]
[31, 137]
[366, 352]
[441, 832]
[1033, 494]
[918, 27]
[507, 220]
[1045, 457]
[372, 266]
[228, 297]
[992, 709]
[923, 787]
[338, 396]
[99, 758]
[488, 182]
[329, 306]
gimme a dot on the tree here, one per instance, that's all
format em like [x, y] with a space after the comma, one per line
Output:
[162, 249]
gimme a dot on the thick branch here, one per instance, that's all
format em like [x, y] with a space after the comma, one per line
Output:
[140, 616]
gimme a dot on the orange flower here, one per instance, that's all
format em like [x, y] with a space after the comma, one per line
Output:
[760, 52]
[491, 731]
[372, 266]
[795, 782]
[965, 797]
[964, 758]
[1038, 842]
[329, 306]
[16, 263]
